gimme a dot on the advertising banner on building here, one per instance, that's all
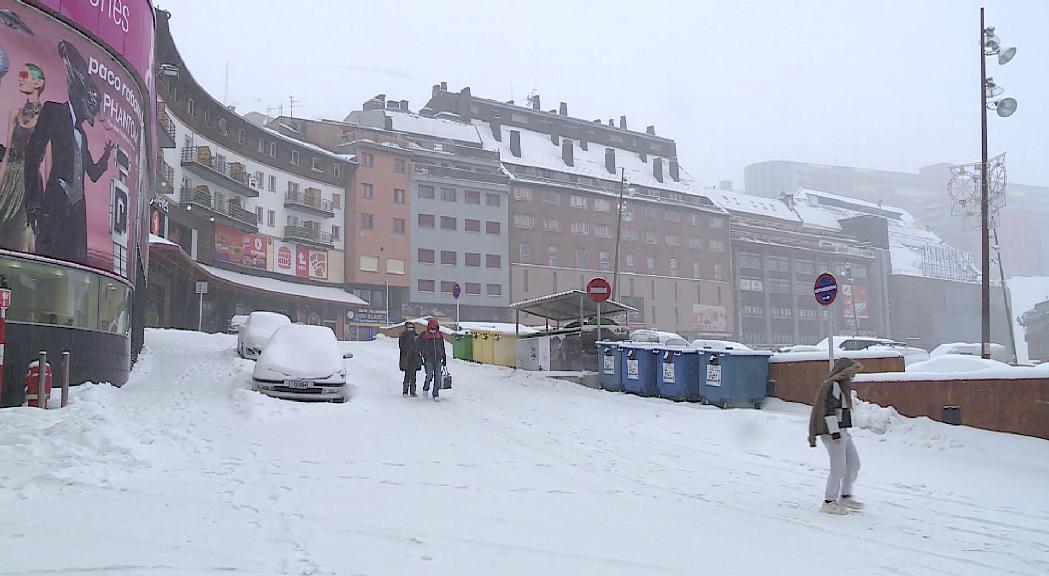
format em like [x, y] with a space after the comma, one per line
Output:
[709, 319]
[284, 258]
[300, 261]
[861, 302]
[240, 248]
[71, 144]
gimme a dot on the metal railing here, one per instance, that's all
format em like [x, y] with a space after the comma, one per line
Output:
[202, 156]
[229, 208]
[165, 122]
[309, 201]
[166, 178]
[308, 234]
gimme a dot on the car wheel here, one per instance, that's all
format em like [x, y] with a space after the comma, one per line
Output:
[340, 400]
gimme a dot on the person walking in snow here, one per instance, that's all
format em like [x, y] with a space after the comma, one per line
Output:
[831, 419]
[431, 347]
[411, 361]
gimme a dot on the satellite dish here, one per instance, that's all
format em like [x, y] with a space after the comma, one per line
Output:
[993, 90]
[1005, 107]
[1006, 55]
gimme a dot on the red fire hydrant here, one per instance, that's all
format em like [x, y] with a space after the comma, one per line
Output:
[32, 381]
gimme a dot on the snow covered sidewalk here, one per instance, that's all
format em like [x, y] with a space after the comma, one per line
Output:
[186, 471]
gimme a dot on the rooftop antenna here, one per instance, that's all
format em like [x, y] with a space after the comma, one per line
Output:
[225, 88]
[291, 106]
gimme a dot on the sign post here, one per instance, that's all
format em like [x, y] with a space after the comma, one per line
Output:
[826, 290]
[456, 292]
[201, 289]
[598, 290]
[5, 303]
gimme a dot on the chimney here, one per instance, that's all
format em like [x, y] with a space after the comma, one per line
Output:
[377, 102]
[444, 85]
[497, 128]
[622, 122]
[610, 160]
[393, 105]
[388, 123]
[535, 102]
[675, 175]
[597, 120]
[650, 130]
[657, 169]
[515, 143]
[464, 104]
[404, 105]
[567, 152]
[583, 144]
[611, 122]
[427, 112]
[788, 199]
[563, 110]
[436, 89]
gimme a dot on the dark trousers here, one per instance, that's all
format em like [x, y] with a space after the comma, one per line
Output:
[409, 381]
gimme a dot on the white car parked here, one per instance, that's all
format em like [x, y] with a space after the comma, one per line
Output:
[302, 362]
[256, 331]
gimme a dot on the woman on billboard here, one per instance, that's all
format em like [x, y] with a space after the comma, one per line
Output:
[14, 226]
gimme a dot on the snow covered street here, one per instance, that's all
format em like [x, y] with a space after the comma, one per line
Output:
[185, 470]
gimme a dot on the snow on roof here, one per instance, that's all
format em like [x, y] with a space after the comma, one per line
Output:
[497, 328]
[154, 239]
[329, 293]
[303, 143]
[537, 150]
[438, 127]
[740, 202]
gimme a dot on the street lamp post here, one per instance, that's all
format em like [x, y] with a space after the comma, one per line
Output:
[619, 227]
[989, 46]
[852, 292]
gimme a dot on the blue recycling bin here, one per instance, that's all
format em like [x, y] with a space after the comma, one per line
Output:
[639, 369]
[610, 366]
[678, 377]
[733, 379]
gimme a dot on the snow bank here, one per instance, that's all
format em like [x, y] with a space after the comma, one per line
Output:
[959, 367]
[783, 357]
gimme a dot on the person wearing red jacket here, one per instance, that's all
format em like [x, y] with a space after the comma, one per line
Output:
[431, 348]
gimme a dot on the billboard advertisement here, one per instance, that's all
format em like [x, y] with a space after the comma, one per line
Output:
[709, 319]
[862, 313]
[240, 248]
[300, 261]
[72, 144]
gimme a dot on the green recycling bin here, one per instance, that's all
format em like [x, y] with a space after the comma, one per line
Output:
[463, 346]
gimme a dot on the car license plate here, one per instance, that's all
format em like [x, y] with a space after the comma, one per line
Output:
[299, 384]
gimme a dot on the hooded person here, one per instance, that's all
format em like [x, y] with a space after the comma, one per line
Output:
[410, 359]
[830, 420]
[431, 347]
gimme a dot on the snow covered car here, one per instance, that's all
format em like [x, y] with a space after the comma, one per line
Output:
[910, 354]
[998, 352]
[302, 362]
[256, 331]
[236, 322]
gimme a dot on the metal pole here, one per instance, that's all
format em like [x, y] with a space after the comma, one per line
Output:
[3, 341]
[830, 335]
[65, 378]
[855, 316]
[41, 393]
[200, 314]
[598, 323]
[985, 242]
[619, 228]
[388, 304]
[457, 327]
[1005, 298]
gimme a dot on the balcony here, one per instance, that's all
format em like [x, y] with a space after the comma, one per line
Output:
[231, 176]
[228, 211]
[165, 128]
[165, 178]
[308, 235]
[310, 202]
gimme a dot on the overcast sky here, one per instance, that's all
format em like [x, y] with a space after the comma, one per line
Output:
[888, 85]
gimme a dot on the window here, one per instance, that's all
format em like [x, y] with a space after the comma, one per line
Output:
[602, 259]
[750, 285]
[398, 226]
[262, 146]
[652, 287]
[369, 264]
[551, 225]
[394, 266]
[472, 225]
[207, 117]
[630, 234]
[717, 246]
[524, 221]
[448, 194]
[293, 187]
[426, 285]
[493, 200]
[367, 221]
[748, 260]
[494, 228]
[472, 259]
[673, 240]
[648, 212]
[578, 202]
[316, 165]
[273, 184]
[650, 263]
[719, 295]
[192, 107]
[426, 192]
[602, 206]
[259, 179]
[696, 270]
[695, 243]
[673, 267]
[580, 257]
[493, 261]
[258, 214]
[295, 157]
[367, 190]
[524, 280]
[495, 289]
[602, 231]
[368, 161]
[449, 257]
[650, 238]
[551, 256]
[524, 195]
[552, 198]
[242, 138]
[717, 222]
[336, 201]
[335, 231]
[447, 287]
[399, 166]
[398, 196]
[273, 149]
[426, 220]
[672, 216]
[448, 223]
[426, 256]
[472, 197]
[804, 267]
[777, 263]
[336, 170]
[271, 218]
[580, 228]
[524, 252]
[717, 272]
[629, 262]
[554, 282]
[473, 288]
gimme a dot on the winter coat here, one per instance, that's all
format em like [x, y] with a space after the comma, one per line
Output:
[409, 345]
[432, 347]
[832, 408]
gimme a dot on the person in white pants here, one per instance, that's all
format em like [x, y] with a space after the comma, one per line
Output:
[831, 419]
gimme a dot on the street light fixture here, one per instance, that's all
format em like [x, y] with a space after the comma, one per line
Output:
[990, 45]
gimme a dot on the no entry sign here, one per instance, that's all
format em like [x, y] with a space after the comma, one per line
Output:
[826, 289]
[599, 290]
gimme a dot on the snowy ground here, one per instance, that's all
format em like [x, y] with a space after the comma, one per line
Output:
[186, 471]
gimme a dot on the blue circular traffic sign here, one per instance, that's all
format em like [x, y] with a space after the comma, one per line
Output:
[826, 289]
[456, 291]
